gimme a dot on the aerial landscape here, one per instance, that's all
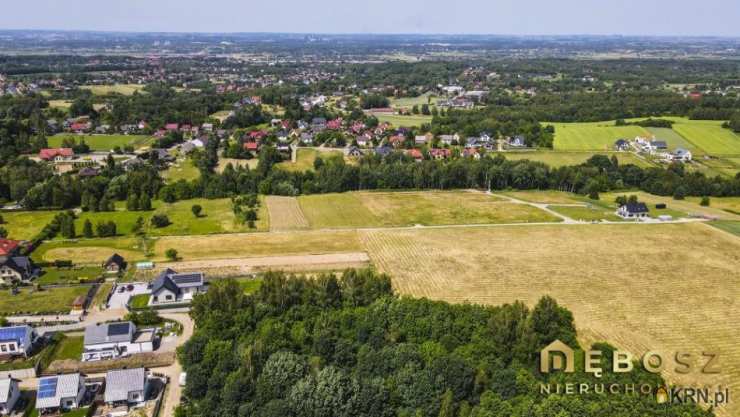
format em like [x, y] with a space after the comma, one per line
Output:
[199, 218]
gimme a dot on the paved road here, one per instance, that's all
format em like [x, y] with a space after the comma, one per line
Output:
[174, 391]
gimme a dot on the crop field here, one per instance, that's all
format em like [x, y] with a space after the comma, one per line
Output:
[403, 121]
[124, 89]
[285, 214]
[709, 136]
[260, 244]
[411, 208]
[558, 159]
[102, 142]
[663, 287]
[54, 300]
[728, 167]
[598, 136]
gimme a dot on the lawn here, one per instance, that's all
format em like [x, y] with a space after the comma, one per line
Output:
[728, 226]
[558, 159]
[102, 142]
[409, 102]
[591, 213]
[69, 347]
[183, 169]
[51, 301]
[403, 121]
[709, 136]
[90, 251]
[674, 140]
[598, 136]
[25, 225]
[124, 89]
[306, 158]
[60, 104]
[640, 287]
[102, 295]
[221, 115]
[249, 285]
[365, 209]
[139, 301]
[53, 276]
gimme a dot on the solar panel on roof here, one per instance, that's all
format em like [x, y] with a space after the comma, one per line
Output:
[186, 279]
[118, 329]
[47, 388]
[12, 333]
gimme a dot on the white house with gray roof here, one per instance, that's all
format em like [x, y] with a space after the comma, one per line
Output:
[60, 392]
[173, 288]
[126, 386]
[16, 340]
[113, 340]
[9, 395]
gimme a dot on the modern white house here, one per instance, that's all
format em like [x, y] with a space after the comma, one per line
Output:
[60, 393]
[126, 387]
[633, 211]
[16, 340]
[173, 288]
[9, 395]
[680, 154]
[113, 340]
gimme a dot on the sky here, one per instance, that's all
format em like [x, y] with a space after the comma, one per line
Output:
[505, 17]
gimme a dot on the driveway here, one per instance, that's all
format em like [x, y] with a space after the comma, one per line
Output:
[119, 300]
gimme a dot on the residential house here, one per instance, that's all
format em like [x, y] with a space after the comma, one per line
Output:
[621, 145]
[471, 153]
[88, 172]
[450, 139]
[112, 340]
[126, 387]
[56, 154]
[307, 138]
[517, 141]
[416, 154]
[173, 288]
[397, 140]
[354, 151]
[142, 125]
[114, 264]
[60, 393]
[335, 124]
[658, 145]
[251, 146]
[423, 139]
[384, 150]
[9, 247]
[10, 393]
[680, 154]
[364, 140]
[207, 127]
[440, 153]
[318, 124]
[15, 269]
[102, 129]
[633, 211]
[171, 127]
[17, 340]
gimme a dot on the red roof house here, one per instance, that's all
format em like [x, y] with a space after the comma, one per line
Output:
[49, 154]
[171, 126]
[251, 146]
[335, 124]
[440, 153]
[415, 153]
[8, 247]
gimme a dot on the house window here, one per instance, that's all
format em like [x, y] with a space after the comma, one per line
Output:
[4, 348]
[135, 397]
[168, 297]
[11, 347]
[70, 403]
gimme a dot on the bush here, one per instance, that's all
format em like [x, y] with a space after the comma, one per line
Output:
[171, 254]
[705, 201]
[160, 220]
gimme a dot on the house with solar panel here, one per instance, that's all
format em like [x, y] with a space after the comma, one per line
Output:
[173, 288]
[9, 395]
[16, 341]
[60, 393]
[126, 387]
[114, 340]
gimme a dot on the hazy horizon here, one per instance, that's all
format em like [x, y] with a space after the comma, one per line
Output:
[663, 18]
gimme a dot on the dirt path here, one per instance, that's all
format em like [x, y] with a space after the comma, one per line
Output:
[293, 262]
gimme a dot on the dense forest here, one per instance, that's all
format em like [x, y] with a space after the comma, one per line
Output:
[346, 346]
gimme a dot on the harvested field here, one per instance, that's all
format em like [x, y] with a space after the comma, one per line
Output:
[295, 263]
[246, 245]
[285, 214]
[675, 290]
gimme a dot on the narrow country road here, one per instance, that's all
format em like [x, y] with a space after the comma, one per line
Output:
[174, 391]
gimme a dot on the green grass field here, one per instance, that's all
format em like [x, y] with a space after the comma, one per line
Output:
[305, 159]
[404, 121]
[24, 225]
[592, 136]
[183, 169]
[674, 140]
[587, 213]
[51, 301]
[60, 104]
[139, 301]
[408, 102]
[709, 136]
[70, 347]
[124, 89]
[103, 142]
[558, 159]
[362, 209]
[728, 226]
[53, 276]
[90, 251]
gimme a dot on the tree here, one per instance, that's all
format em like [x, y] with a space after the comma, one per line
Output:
[2, 219]
[3, 232]
[160, 220]
[705, 201]
[138, 227]
[132, 202]
[171, 254]
[145, 202]
[679, 193]
[87, 229]
[196, 209]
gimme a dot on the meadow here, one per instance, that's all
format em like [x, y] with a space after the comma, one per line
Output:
[305, 158]
[403, 121]
[589, 213]
[102, 142]
[674, 140]
[123, 89]
[597, 136]
[709, 136]
[640, 287]
[409, 102]
[183, 169]
[51, 301]
[285, 214]
[379, 209]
